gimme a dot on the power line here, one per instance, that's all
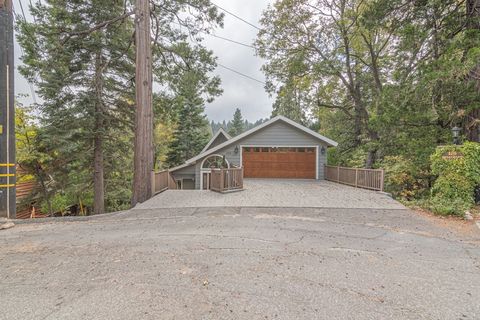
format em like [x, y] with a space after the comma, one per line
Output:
[21, 7]
[234, 15]
[240, 73]
[247, 45]
[228, 68]
[233, 41]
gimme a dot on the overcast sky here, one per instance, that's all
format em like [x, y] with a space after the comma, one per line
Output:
[241, 92]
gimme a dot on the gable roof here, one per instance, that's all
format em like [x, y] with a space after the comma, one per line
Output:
[219, 132]
[314, 134]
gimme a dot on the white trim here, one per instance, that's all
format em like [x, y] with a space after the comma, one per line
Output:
[328, 141]
[283, 146]
[220, 131]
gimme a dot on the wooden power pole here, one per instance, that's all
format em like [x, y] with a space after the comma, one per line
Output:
[143, 154]
[7, 113]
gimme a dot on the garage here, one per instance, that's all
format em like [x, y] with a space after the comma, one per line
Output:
[279, 162]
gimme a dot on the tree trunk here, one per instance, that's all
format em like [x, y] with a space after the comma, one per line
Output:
[98, 167]
[39, 173]
[143, 154]
[371, 158]
[471, 123]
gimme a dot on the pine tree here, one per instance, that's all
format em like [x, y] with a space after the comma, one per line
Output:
[192, 132]
[237, 125]
[83, 79]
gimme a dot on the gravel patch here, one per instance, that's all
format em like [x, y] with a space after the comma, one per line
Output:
[277, 193]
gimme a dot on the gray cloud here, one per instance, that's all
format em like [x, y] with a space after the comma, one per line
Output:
[246, 94]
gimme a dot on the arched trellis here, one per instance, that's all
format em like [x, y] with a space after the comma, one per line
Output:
[214, 161]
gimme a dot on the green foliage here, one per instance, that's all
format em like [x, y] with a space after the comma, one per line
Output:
[466, 166]
[387, 79]
[227, 125]
[83, 69]
[59, 203]
[404, 179]
[453, 190]
[238, 125]
[192, 131]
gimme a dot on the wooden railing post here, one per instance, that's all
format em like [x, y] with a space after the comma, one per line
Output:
[356, 177]
[382, 177]
[338, 173]
[222, 182]
[153, 182]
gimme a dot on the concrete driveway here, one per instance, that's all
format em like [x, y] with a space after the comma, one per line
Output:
[277, 193]
[241, 263]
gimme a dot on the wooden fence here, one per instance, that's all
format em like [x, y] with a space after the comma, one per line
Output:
[372, 179]
[224, 180]
[162, 181]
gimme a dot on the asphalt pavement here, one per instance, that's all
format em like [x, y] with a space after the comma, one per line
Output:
[242, 263]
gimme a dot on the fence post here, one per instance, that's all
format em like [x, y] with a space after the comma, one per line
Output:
[221, 180]
[153, 182]
[338, 173]
[382, 177]
[356, 177]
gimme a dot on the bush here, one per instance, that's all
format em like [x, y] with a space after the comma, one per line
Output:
[453, 191]
[405, 179]
[59, 203]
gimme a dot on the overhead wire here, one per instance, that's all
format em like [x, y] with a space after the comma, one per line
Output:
[236, 16]
[230, 68]
[240, 73]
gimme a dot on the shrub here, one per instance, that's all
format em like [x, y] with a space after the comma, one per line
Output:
[405, 179]
[59, 203]
[453, 191]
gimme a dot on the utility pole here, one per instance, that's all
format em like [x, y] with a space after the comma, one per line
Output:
[143, 149]
[7, 113]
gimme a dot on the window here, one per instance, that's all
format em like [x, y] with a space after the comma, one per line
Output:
[265, 149]
[215, 161]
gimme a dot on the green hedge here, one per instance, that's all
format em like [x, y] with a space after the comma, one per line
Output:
[453, 190]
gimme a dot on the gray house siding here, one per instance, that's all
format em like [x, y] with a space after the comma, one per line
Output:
[218, 140]
[277, 134]
[184, 173]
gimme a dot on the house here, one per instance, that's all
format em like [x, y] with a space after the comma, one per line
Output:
[279, 148]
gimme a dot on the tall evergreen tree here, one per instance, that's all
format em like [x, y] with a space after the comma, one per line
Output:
[84, 81]
[192, 131]
[237, 125]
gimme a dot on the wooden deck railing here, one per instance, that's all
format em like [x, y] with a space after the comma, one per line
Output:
[372, 179]
[162, 181]
[224, 180]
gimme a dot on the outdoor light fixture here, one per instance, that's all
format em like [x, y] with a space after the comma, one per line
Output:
[236, 150]
[322, 151]
[456, 135]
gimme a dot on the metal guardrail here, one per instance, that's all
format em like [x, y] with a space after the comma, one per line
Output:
[372, 179]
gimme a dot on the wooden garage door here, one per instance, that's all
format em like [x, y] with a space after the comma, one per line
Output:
[268, 162]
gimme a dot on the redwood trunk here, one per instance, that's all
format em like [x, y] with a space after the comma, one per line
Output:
[143, 153]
